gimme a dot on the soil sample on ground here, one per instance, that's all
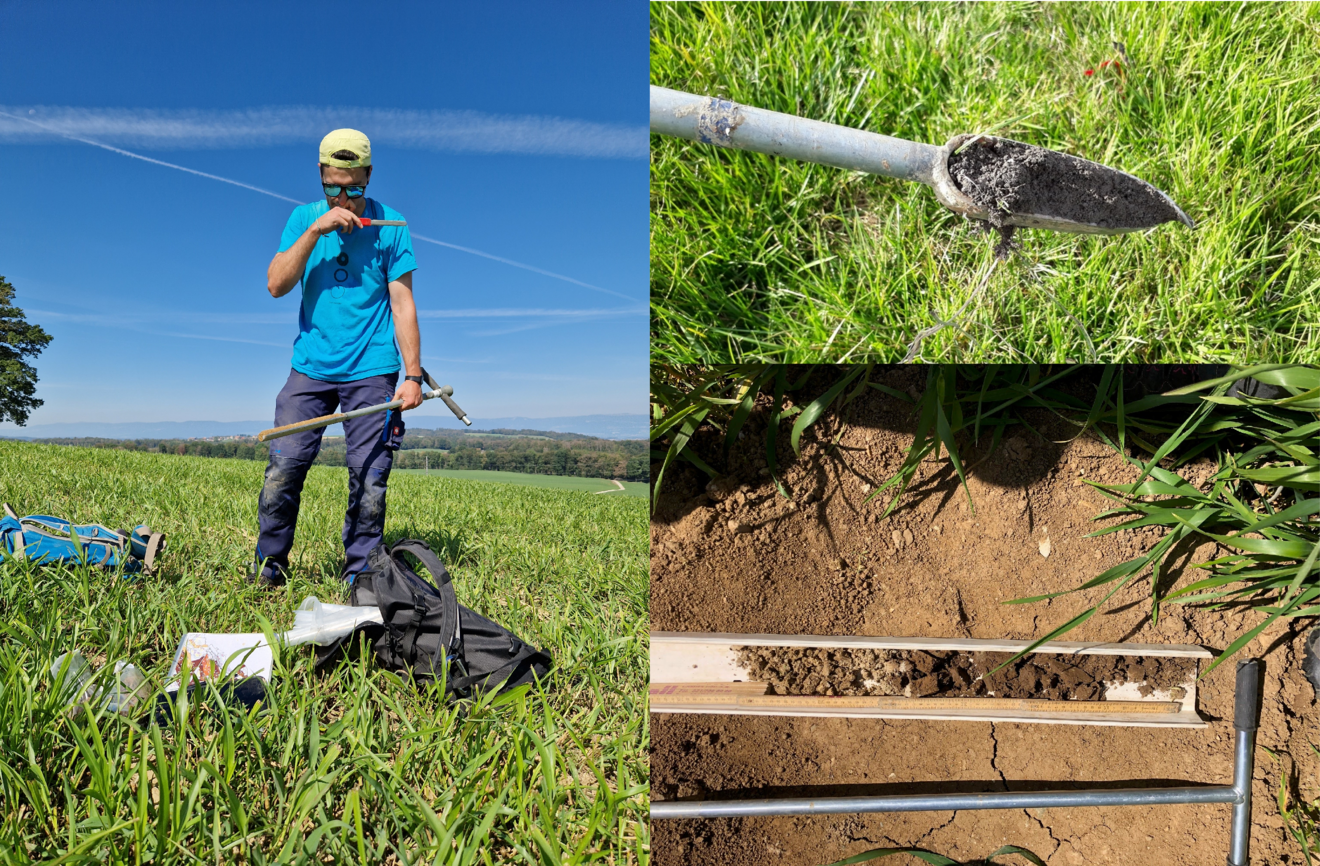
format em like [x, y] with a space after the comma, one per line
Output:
[924, 674]
[1007, 177]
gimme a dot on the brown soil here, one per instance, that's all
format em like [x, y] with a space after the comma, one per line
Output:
[925, 674]
[1006, 177]
[737, 557]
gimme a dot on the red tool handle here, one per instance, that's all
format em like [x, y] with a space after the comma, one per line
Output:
[366, 222]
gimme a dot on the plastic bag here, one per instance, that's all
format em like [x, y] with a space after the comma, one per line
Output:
[79, 691]
[76, 688]
[128, 689]
[321, 624]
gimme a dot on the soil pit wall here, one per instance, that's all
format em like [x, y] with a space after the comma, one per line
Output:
[734, 556]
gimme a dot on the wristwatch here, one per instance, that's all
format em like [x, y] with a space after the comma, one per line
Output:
[417, 379]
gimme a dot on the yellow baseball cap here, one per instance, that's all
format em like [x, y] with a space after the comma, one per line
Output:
[346, 139]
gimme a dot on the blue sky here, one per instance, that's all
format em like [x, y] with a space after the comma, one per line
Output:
[515, 129]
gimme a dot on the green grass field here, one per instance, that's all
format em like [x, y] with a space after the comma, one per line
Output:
[551, 482]
[358, 766]
[755, 257]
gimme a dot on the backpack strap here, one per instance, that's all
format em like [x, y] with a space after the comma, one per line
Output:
[462, 684]
[9, 512]
[426, 556]
[155, 544]
[499, 675]
[408, 646]
[11, 538]
[440, 576]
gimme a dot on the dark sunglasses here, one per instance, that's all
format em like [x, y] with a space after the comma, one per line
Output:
[332, 190]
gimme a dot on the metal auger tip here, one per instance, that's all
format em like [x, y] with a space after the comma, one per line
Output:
[1009, 183]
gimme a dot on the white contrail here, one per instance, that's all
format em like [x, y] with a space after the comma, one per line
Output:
[295, 201]
[123, 322]
[529, 326]
[528, 313]
[155, 161]
[540, 318]
[521, 265]
[444, 131]
[113, 317]
[286, 344]
[177, 317]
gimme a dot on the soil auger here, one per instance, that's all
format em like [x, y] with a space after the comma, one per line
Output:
[1009, 183]
[444, 393]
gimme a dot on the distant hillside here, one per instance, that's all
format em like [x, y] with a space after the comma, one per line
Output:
[531, 451]
[599, 426]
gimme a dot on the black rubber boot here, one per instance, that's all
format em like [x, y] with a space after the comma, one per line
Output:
[269, 575]
[1257, 389]
[1143, 380]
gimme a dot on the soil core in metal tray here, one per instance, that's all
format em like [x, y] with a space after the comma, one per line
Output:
[921, 674]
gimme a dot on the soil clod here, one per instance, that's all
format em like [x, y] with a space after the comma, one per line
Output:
[1008, 177]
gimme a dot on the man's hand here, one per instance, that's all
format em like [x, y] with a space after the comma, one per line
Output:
[338, 218]
[286, 269]
[410, 393]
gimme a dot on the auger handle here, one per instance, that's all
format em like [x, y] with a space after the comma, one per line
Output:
[443, 394]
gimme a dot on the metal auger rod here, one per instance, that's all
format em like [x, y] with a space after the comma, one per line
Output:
[711, 120]
[444, 393]
[1246, 718]
[724, 123]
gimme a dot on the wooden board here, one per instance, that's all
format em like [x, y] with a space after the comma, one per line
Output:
[699, 673]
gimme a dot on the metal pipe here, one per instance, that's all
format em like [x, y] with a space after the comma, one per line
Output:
[444, 393]
[338, 417]
[722, 122]
[1246, 719]
[942, 802]
[1244, 748]
[712, 120]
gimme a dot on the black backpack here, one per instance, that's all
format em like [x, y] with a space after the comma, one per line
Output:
[426, 631]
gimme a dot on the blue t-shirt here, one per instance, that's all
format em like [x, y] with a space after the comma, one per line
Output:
[345, 325]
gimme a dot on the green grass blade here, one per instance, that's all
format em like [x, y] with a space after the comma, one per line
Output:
[814, 409]
[1013, 849]
[876, 853]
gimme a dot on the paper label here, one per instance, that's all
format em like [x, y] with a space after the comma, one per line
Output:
[217, 657]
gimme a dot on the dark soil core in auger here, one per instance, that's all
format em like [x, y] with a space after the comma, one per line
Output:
[924, 674]
[1007, 177]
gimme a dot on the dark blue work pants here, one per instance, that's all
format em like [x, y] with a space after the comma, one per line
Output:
[369, 464]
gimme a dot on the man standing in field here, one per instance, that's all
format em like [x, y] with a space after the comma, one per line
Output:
[357, 318]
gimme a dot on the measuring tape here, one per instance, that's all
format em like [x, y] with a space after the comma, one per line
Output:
[753, 695]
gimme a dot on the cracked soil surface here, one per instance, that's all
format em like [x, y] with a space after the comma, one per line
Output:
[740, 558]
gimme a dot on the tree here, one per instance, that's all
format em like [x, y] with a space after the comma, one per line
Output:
[18, 339]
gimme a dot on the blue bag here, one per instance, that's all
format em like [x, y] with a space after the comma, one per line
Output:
[44, 539]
